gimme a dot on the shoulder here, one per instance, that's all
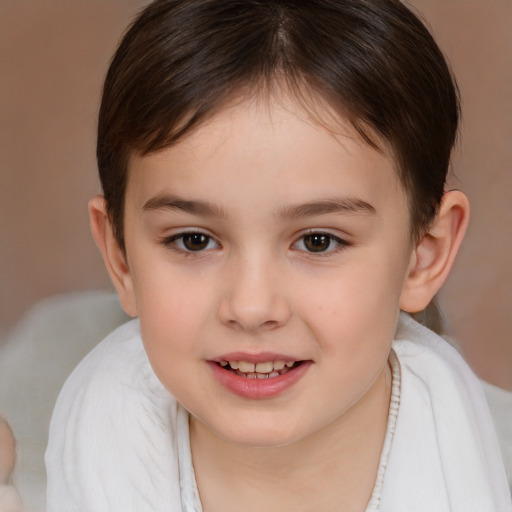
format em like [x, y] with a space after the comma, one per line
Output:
[119, 356]
[444, 447]
[422, 351]
[118, 364]
[113, 429]
[438, 384]
[112, 380]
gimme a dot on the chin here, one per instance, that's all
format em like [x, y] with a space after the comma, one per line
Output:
[261, 435]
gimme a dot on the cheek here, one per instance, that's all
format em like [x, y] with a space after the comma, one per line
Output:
[168, 296]
[355, 312]
[173, 311]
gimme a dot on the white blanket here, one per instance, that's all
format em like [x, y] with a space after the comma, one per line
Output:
[119, 441]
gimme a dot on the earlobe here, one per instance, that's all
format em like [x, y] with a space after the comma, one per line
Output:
[113, 256]
[433, 257]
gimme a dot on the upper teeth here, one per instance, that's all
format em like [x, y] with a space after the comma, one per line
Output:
[265, 367]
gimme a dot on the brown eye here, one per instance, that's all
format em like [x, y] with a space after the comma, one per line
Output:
[195, 241]
[317, 242]
[190, 242]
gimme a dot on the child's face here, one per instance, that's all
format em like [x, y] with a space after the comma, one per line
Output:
[264, 238]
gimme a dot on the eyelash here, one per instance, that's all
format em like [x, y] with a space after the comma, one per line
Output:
[339, 243]
[173, 243]
[176, 243]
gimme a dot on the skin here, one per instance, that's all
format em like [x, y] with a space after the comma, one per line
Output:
[7, 451]
[10, 500]
[257, 287]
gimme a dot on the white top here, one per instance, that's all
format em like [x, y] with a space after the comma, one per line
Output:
[500, 404]
[120, 442]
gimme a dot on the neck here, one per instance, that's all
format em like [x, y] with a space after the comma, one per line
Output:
[293, 477]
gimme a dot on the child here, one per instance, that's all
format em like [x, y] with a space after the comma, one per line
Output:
[273, 176]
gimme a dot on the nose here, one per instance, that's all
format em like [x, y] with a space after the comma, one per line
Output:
[254, 299]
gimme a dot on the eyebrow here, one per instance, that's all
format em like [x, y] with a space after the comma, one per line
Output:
[176, 203]
[347, 205]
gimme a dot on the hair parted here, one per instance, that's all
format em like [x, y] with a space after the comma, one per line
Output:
[373, 62]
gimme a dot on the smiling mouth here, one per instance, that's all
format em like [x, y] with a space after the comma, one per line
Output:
[263, 370]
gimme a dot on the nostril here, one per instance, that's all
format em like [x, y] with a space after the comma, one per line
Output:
[252, 318]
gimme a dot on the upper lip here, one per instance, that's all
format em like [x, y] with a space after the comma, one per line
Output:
[261, 357]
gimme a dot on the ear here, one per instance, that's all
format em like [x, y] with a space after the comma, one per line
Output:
[432, 259]
[114, 256]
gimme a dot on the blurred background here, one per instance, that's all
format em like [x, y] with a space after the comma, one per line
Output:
[53, 57]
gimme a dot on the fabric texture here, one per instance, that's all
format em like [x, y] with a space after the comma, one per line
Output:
[500, 404]
[394, 406]
[119, 441]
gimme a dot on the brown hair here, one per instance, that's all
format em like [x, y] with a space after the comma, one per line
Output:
[372, 61]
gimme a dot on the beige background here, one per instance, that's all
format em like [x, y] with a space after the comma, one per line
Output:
[53, 56]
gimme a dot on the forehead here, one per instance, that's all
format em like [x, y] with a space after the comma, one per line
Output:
[268, 147]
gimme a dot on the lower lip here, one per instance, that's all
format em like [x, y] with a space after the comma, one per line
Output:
[258, 389]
